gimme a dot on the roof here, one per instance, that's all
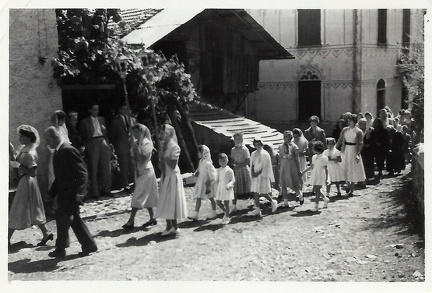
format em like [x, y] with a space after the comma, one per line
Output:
[163, 22]
[226, 123]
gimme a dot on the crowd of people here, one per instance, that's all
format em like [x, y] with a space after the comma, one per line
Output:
[359, 143]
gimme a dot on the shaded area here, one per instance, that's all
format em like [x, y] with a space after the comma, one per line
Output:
[306, 213]
[15, 247]
[143, 241]
[403, 211]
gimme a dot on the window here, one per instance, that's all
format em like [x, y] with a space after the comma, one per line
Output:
[309, 27]
[406, 28]
[382, 26]
[381, 89]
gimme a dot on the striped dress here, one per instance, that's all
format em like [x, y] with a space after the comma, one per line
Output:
[242, 175]
[354, 170]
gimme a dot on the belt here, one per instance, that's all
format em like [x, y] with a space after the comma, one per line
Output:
[350, 143]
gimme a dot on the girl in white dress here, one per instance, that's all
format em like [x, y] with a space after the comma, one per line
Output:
[146, 189]
[204, 189]
[262, 176]
[319, 175]
[172, 200]
[224, 186]
[335, 169]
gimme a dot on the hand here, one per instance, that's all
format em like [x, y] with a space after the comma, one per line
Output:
[229, 186]
[357, 159]
[207, 184]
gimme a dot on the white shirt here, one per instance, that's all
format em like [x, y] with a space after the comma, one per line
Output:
[96, 125]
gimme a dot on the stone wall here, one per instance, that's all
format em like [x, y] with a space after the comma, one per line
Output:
[418, 183]
[33, 92]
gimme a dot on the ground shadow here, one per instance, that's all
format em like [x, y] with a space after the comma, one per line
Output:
[245, 219]
[400, 199]
[14, 248]
[118, 232]
[209, 227]
[143, 241]
[192, 224]
[26, 266]
[306, 213]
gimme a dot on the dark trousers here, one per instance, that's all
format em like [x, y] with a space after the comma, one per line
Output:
[126, 168]
[70, 218]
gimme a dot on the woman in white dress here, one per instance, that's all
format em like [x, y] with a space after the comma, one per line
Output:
[27, 206]
[303, 145]
[262, 176]
[172, 200]
[224, 186]
[146, 189]
[58, 119]
[351, 140]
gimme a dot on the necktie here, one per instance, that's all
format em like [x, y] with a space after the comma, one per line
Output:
[126, 122]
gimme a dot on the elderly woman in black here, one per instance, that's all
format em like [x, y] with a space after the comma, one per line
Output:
[381, 144]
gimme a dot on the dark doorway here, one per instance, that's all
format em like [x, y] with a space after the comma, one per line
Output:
[309, 99]
[380, 95]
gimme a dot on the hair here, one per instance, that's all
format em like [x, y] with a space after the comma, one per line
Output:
[73, 113]
[91, 104]
[297, 131]
[53, 132]
[383, 110]
[396, 119]
[269, 149]
[330, 140]
[368, 114]
[238, 134]
[60, 114]
[28, 134]
[402, 112]
[353, 117]
[288, 132]
[405, 127]
[360, 114]
[122, 105]
[222, 156]
[318, 146]
[200, 148]
[407, 112]
[257, 140]
[314, 118]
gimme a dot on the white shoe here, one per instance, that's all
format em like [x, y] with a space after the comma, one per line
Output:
[193, 216]
[226, 220]
[166, 232]
[274, 205]
[326, 201]
[257, 212]
[175, 231]
[315, 209]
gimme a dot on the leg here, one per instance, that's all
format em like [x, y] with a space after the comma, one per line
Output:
[213, 203]
[226, 203]
[285, 197]
[174, 224]
[256, 200]
[132, 216]
[105, 166]
[222, 207]
[82, 233]
[63, 221]
[93, 153]
[123, 160]
[151, 213]
[338, 188]
[169, 225]
[198, 205]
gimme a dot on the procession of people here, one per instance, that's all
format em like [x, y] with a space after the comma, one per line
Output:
[79, 153]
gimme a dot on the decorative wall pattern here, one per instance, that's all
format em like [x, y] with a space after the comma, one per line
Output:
[343, 84]
[277, 85]
[348, 52]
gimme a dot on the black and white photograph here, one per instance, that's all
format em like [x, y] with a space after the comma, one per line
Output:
[265, 145]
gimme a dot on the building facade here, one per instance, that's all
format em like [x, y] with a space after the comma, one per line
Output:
[33, 92]
[345, 60]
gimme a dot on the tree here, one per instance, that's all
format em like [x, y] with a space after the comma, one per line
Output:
[87, 54]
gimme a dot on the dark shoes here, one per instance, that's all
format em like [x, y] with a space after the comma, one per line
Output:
[150, 222]
[86, 252]
[58, 253]
[45, 240]
[128, 226]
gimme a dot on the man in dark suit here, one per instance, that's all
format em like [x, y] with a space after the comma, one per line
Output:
[314, 133]
[120, 137]
[95, 138]
[69, 186]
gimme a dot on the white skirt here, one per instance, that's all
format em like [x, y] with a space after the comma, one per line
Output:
[261, 185]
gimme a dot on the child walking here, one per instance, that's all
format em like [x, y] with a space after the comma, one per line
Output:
[319, 175]
[262, 176]
[204, 189]
[224, 187]
[240, 162]
[335, 168]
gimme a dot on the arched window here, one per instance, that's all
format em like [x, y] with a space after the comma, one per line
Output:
[380, 94]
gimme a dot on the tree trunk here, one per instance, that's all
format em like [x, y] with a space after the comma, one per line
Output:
[187, 157]
[189, 128]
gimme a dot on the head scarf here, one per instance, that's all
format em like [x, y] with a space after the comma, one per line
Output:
[31, 129]
[206, 153]
[144, 140]
[170, 131]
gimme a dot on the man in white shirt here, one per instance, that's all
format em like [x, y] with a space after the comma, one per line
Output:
[95, 138]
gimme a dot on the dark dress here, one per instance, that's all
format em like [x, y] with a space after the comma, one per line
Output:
[368, 152]
[396, 158]
[381, 146]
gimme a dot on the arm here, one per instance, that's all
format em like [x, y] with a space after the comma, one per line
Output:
[341, 138]
[326, 172]
[232, 180]
[359, 141]
[307, 169]
[337, 159]
[78, 170]
[297, 161]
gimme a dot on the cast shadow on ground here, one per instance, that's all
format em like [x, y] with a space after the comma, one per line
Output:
[210, 227]
[143, 241]
[192, 224]
[118, 232]
[306, 213]
[26, 266]
[400, 199]
[14, 248]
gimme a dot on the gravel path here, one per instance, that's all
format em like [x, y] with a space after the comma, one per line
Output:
[364, 238]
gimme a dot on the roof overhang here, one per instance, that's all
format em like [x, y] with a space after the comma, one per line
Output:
[167, 20]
